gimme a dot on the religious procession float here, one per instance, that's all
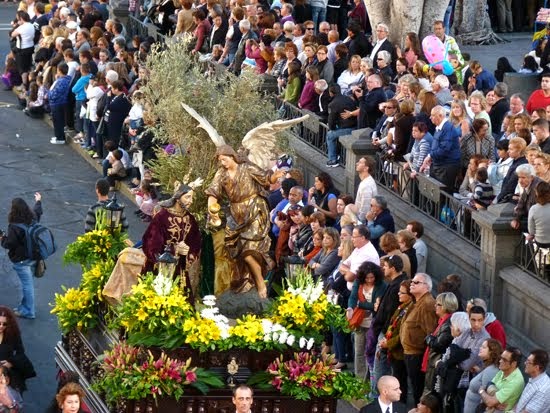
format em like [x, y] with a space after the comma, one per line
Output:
[176, 324]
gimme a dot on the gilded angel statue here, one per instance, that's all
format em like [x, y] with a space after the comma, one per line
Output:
[243, 180]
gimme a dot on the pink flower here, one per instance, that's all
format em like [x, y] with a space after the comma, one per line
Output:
[154, 390]
[158, 364]
[190, 376]
[145, 365]
[277, 382]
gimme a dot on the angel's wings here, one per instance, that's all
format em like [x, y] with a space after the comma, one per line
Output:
[260, 141]
[207, 126]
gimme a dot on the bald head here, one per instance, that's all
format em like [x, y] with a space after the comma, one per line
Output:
[333, 36]
[388, 388]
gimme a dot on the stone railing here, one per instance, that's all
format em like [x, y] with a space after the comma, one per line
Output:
[426, 194]
[312, 131]
[533, 259]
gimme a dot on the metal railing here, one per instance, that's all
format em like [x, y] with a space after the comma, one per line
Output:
[533, 259]
[312, 131]
[135, 27]
[426, 195]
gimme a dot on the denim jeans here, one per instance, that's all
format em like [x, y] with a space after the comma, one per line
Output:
[382, 367]
[78, 121]
[318, 15]
[332, 141]
[105, 165]
[25, 272]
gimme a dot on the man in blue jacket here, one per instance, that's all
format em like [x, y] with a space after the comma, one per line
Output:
[58, 97]
[444, 157]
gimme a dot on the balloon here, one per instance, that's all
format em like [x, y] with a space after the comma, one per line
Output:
[434, 50]
[447, 68]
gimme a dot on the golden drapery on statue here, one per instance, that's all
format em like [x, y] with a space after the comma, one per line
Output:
[247, 227]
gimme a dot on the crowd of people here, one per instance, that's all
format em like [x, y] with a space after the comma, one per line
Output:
[70, 60]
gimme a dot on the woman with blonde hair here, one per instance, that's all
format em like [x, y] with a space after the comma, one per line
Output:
[459, 117]
[352, 76]
[478, 105]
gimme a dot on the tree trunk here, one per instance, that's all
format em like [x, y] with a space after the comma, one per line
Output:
[472, 24]
[471, 20]
[404, 16]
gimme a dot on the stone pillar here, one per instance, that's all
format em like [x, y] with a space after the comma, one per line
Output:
[498, 245]
[357, 144]
[119, 9]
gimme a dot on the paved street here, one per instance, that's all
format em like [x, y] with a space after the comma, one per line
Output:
[28, 163]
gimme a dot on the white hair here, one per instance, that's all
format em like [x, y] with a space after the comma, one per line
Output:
[383, 26]
[384, 54]
[288, 26]
[244, 24]
[321, 84]
[461, 321]
[442, 81]
[526, 169]
[427, 280]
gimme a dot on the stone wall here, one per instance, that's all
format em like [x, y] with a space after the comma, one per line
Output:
[526, 310]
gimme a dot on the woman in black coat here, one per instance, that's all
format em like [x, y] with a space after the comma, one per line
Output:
[438, 342]
[116, 111]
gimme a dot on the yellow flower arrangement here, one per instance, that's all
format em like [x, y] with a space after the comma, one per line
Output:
[304, 308]
[74, 309]
[201, 333]
[153, 319]
[248, 329]
[95, 246]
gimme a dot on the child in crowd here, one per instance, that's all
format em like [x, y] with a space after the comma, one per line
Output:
[79, 90]
[58, 97]
[116, 172]
[36, 100]
[68, 54]
[11, 76]
[111, 147]
[94, 92]
[103, 60]
[483, 194]
[135, 117]
[146, 198]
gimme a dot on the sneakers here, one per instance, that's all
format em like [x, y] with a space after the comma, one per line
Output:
[334, 163]
[55, 141]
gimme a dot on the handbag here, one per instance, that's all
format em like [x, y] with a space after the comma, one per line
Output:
[40, 268]
[101, 127]
[23, 365]
[358, 314]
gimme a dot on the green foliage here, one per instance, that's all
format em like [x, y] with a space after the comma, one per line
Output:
[76, 308]
[231, 104]
[310, 375]
[97, 246]
[133, 374]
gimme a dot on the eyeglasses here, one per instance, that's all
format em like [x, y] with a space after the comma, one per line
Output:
[505, 360]
[417, 282]
[529, 362]
[310, 28]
